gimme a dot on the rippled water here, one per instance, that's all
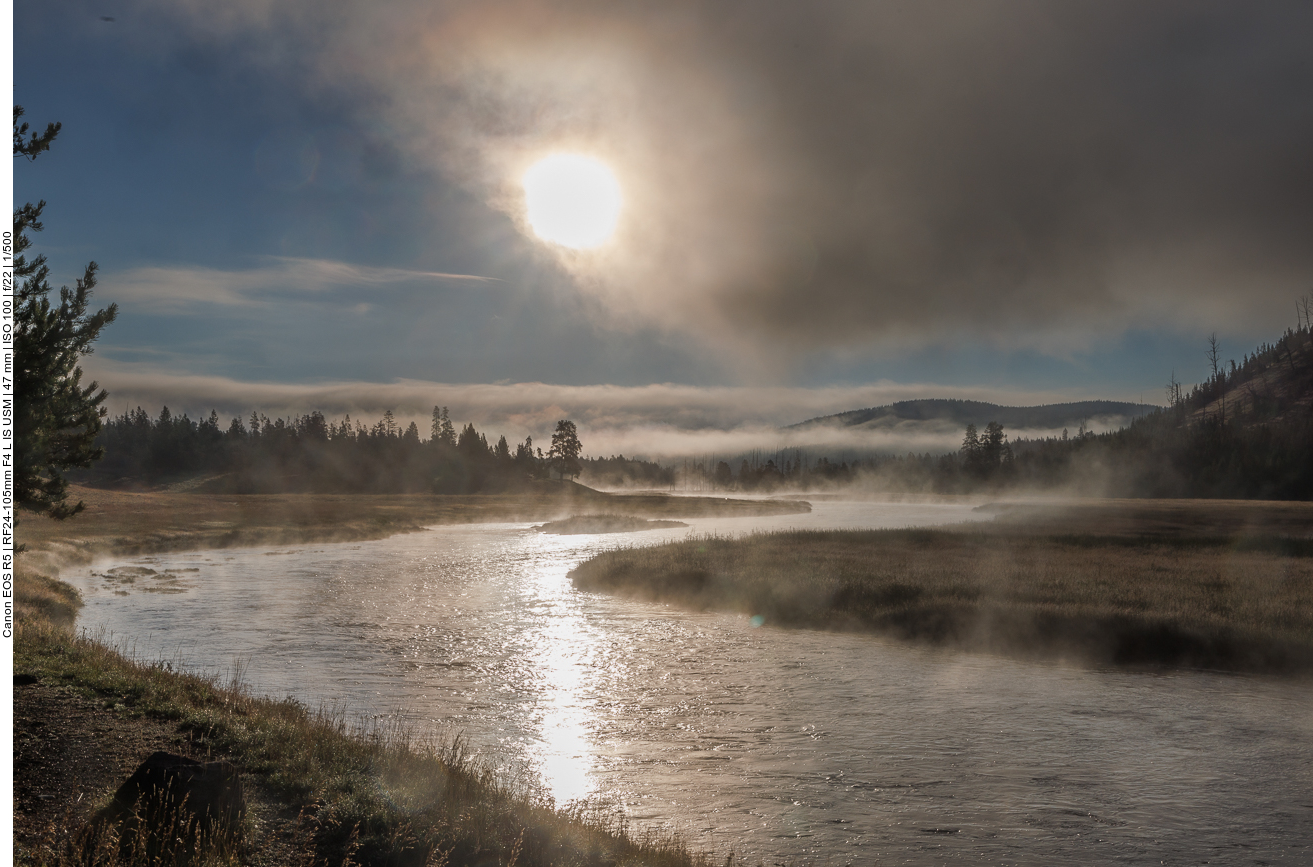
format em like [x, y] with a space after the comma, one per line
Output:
[777, 744]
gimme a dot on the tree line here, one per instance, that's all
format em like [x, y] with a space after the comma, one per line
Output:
[314, 453]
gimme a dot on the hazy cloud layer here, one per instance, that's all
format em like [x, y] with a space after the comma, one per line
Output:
[845, 173]
[654, 420]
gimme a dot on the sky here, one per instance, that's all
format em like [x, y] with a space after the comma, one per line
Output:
[827, 205]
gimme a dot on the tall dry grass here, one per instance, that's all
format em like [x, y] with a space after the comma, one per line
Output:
[369, 794]
[1210, 602]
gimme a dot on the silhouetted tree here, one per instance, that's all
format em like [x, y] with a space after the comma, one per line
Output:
[56, 418]
[971, 446]
[994, 447]
[448, 434]
[564, 453]
[724, 476]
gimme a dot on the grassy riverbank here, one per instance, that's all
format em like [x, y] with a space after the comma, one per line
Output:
[1157, 587]
[323, 791]
[145, 523]
[340, 794]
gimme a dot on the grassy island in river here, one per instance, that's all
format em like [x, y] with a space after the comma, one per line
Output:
[1154, 584]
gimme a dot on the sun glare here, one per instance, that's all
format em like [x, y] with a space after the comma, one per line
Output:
[572, 200]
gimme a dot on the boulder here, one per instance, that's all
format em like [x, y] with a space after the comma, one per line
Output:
[172, 810]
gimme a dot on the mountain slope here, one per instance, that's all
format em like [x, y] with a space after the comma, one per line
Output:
[1105, 413]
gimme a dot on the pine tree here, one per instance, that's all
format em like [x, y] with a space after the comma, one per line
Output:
[971, 445]
[57, 418]
[564, 453]
[448, 435]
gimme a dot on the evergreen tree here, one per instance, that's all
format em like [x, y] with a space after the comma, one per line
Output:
[448, 434]
[564, 453]
[971, 446]
[57, 418]
[994, 447]
[724, 476]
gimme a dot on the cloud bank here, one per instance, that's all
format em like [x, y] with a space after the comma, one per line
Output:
[660, 420]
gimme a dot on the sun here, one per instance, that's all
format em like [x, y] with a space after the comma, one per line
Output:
[572, 200]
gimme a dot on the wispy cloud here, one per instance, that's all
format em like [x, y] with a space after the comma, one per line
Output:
[186, 287]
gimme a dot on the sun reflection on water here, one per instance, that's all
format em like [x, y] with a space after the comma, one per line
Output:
[564, 652]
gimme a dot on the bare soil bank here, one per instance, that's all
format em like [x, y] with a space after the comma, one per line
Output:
[1144, 585]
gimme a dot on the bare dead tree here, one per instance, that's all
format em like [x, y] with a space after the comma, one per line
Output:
[1173, 391]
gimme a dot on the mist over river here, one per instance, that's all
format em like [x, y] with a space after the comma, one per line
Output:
[775, 744]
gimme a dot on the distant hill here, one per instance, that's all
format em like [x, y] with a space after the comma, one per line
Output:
[960, 413]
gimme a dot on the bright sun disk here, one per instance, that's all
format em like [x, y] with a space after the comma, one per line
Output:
[572, 200]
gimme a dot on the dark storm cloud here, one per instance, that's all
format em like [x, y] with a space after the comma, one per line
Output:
[851, 173]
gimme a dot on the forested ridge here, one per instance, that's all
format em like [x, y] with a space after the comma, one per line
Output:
[1245, 432]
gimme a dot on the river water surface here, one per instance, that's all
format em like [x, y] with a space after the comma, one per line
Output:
[779, 745]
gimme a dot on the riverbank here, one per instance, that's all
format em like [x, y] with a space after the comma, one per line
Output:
[122, 523]
[579, 525]
[322, 790]
[1160, 585]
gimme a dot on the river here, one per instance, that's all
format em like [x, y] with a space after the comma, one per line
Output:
[775, 744]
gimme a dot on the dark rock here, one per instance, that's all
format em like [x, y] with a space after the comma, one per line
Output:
[25, 679]
[173, 810]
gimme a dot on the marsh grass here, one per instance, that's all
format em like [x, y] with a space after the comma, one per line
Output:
[370, 794]
[1201, 601]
